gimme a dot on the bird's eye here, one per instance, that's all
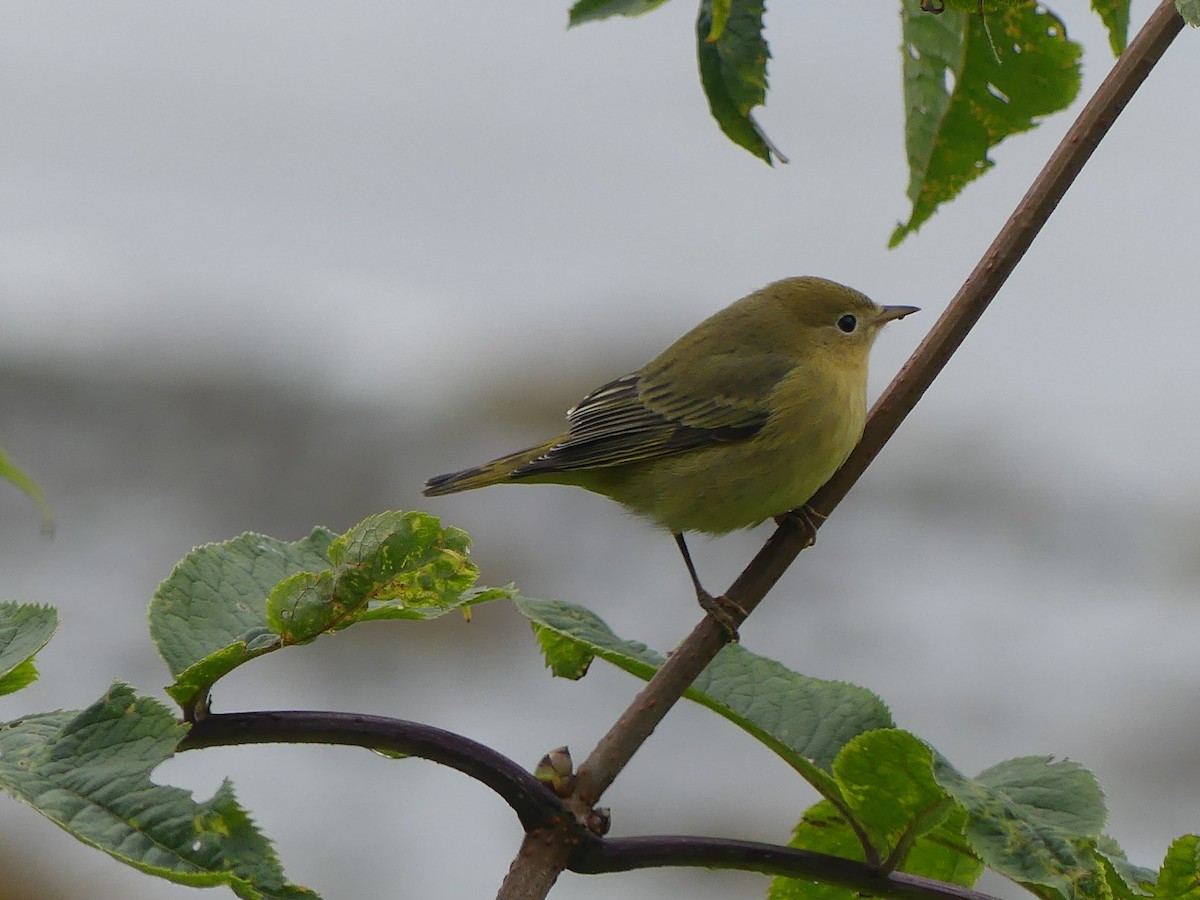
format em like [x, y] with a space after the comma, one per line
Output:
[847, 323]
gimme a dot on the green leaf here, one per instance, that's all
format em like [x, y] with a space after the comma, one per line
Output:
[886, 779]
[941, 853]
[20, 676]
[987, 7]
[1179, 877]
[1035, 822]
[209, 615]
[1061, 794]
[1115, 16]
[228, 603]
[11, 473]
[565, 656]
[804, 720]
[592, 10]
[390, 566]
[571, 636]
[89, 773]
[1125, 880]
[948, 132]
[823, 829]
[720, 18]
[1190, 10]
[24, 630]
[733, 69]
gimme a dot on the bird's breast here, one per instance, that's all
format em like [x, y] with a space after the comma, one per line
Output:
[814, 423]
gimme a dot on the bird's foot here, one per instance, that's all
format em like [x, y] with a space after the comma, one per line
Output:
[807, 518]
[727, 614]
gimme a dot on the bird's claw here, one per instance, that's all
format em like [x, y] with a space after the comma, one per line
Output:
[807, 518]
[725, 612]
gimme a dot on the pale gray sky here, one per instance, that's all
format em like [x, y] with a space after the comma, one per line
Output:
[412, 205]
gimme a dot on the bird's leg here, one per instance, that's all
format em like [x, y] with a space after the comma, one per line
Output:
[807, 518]
[721, 609]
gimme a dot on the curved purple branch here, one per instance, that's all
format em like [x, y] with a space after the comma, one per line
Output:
[626, 854]
[534, 804]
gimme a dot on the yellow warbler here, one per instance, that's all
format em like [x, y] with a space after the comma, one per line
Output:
[739, 420]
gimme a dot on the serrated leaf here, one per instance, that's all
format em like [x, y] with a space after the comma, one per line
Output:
[733, 70]
[804, 720]
[24, 630]
[1062, 794]
[209, 615]
[565, 657]
[1034, 822]
[571, 636]
[215, 597]
[593, 10]
[12, 473]
[948, 132]
[89, 772]
[941, 853]
[886, 780]
[228, 603]
[1190, 10]
[1115, 16]
[1179, 877]
[1125, 880]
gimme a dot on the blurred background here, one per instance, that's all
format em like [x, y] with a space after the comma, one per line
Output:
[268, 266]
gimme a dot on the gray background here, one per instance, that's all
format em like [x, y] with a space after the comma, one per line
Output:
[265, 266]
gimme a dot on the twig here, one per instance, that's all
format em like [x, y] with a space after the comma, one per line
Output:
[627, 854]
[553, 841]
[533, 803]
[695, 652]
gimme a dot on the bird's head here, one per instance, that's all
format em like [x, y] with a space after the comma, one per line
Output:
[830, 317]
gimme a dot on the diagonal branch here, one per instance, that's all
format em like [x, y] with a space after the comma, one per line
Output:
[618, 746]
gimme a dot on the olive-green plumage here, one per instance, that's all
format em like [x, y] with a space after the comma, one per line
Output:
[741, 419]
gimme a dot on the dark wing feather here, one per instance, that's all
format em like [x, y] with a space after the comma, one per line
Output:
[644, 416]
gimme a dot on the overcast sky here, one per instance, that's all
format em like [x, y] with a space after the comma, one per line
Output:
[418, 204]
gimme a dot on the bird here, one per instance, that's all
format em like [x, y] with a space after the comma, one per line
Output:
[740, 420]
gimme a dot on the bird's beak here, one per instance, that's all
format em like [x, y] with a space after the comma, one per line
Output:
[891, 313]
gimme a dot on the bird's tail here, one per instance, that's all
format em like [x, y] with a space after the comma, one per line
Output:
[494, 472]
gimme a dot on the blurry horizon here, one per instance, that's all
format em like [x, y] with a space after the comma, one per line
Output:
[270, 269]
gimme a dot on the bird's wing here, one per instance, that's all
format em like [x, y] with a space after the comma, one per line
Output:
[645, 415]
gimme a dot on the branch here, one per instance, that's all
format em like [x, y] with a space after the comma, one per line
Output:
[553, 839]
[627, 854]
[697, 650]
[532, 801]
[1017, 235]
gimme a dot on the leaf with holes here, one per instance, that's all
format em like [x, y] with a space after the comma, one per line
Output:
[961, 100]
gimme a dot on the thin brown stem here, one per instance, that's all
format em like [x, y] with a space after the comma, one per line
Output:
[630, 731]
